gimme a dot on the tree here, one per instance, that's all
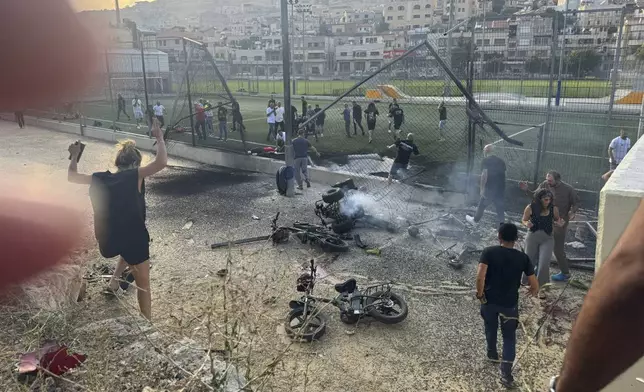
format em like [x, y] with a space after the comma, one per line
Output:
[382, 27]
[584, 61]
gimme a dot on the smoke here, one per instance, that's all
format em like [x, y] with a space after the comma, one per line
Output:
[354, 201]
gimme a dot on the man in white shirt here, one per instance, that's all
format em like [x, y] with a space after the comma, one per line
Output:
[209, 118]
[618, 148]
[279, 117]
[271, 113]
[159, 111]
[137, 108]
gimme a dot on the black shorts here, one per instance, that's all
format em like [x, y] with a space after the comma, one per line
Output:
[397, 126]
[133, 249]
[371, 125]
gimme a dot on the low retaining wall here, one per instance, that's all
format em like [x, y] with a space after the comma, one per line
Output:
[211, 156]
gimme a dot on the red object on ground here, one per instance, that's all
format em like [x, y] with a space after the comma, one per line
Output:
[34, 236]
[269, 149]
[52, 357]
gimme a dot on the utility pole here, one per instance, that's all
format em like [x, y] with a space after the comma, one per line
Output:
[616, 65]
[289, 155]
[118, 12]
[446, 90]
[561, 54]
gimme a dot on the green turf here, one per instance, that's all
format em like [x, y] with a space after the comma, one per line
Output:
[531, 88]
[576, 144]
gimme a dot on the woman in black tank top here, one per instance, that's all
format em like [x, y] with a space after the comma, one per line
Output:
[118, 200]
[539, 217]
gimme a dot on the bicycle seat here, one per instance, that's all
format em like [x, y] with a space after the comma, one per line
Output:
[346, 287]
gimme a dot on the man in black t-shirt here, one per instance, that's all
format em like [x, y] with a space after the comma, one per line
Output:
[405, 149]
[398, 117]
[497, 287]
[357, 118]
[492, 186]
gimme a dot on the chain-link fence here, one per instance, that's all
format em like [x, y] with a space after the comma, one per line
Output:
[562, 83]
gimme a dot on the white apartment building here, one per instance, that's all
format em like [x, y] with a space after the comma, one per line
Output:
[406, 15]
[351, 58]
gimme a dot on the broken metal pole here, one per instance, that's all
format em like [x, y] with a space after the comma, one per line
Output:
[239, 242]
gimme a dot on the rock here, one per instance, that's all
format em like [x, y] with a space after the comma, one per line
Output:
[188, 225]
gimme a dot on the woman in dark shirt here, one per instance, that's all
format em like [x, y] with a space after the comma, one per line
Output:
[118, 200]
[540, 217]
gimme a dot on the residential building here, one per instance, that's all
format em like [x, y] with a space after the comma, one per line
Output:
[529, 36]
[170, 41]
[405, 15]
[358, 57]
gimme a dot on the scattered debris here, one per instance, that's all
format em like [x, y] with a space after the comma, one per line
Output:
[413, 231]
[374, 251]
[579, 284]
[50, 359]
[576, 244]
[222, 272]
[358, 241]
[255, 217]
[188, 225]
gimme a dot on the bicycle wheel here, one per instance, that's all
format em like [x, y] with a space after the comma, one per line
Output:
[307, 327]
[333, 245]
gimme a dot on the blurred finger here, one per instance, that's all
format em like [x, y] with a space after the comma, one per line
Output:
[34, 236]
[48, 55]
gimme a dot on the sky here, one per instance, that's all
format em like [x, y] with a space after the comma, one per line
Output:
[81, 5]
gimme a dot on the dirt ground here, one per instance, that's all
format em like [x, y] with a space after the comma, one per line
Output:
[204, 323]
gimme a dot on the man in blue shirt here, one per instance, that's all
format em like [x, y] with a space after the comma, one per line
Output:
[301, 147]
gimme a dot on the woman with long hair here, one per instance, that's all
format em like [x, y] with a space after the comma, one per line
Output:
[118, 200]
[540, 217]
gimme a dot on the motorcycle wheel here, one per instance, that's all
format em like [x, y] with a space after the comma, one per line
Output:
[332, 195]
[387, 307]
[303, 327]
[334, 245]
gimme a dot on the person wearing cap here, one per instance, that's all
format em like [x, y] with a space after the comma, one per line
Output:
[405, 148]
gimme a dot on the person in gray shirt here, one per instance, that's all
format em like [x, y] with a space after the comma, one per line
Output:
[301, 147]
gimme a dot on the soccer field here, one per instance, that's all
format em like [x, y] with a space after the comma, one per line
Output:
[529, 88]
[576, 143]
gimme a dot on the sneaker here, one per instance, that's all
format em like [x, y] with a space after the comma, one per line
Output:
[300, 187]
[493, 356]
[560, 277]
[370, 141]
[508, 381]
[308, 184]
[470, 220]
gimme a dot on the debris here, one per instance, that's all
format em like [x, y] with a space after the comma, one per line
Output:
[222, 272]
[413, 231]
[374, 251]
[450, 233]
[358, 241]
[350, 332]
[188, 225]
[579, 284]
[576, 244]
[52, 358]
[445, 250]
[255, 217]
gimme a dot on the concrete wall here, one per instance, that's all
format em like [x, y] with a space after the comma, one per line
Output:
[618, 200]
[232, 160]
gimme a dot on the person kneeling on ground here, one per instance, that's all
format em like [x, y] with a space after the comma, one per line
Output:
[497, 287]
[301, 147]
[118, 200]
[405, 148]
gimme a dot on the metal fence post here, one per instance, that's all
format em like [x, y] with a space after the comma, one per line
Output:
[537, 166]
[192, 120]
[614, 74]
[145, 77]
[561, 53]
[548, 123]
